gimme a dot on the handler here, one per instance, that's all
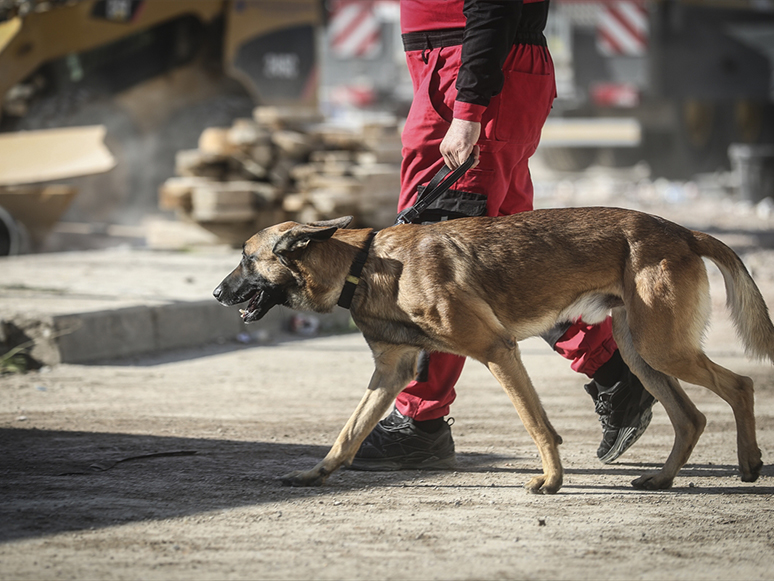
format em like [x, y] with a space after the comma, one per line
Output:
[484, 84]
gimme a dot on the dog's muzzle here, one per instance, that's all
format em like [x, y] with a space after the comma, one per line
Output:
[259, 301]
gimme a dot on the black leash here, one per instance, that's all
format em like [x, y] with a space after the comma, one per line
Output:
[434, 190]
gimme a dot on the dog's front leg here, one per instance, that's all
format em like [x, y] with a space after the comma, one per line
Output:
[395, 367]
[508, 369]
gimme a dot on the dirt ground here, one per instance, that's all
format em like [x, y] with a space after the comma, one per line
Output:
[167, 468]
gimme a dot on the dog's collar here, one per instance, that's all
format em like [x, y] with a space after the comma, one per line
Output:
[353, 278]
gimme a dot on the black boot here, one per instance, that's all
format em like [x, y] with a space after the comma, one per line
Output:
[623, 405]
[400, 443]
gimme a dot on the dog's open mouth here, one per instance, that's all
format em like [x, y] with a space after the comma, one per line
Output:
[259, 304]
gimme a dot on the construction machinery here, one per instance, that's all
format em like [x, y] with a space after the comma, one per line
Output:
[154, 73]
[673, 82]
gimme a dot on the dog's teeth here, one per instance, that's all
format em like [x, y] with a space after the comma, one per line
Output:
[243, 312]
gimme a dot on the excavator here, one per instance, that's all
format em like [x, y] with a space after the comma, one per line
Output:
[152, 74]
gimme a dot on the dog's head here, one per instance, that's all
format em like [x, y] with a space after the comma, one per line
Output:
[266, 275]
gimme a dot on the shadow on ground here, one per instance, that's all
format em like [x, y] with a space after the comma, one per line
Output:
[57, 481]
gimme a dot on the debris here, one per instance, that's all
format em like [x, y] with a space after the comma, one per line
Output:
[285, 164]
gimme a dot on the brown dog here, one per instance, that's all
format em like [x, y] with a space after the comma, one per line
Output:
[478, 286]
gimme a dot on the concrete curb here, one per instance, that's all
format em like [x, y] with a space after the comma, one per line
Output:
[133, 331]
[85, 307]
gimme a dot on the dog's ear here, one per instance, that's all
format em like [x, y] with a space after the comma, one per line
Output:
[342, 222]
[300, 236]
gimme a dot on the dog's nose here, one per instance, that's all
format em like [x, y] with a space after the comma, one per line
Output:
[217, 292]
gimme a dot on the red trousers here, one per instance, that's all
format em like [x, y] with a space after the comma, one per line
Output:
[510, 133]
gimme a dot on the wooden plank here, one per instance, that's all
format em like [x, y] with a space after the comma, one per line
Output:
[292, 144]
[294, 202]
[332, 137]
[283, 117]
[192, 162]
[348, 185]
[214, 141]
[332, 156]
[227, 196]
[246, 133]
[175, 192]
[262, 154]
[208, 198]
[333, 203]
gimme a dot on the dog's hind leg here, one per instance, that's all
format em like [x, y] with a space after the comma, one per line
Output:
[505, 364]
[737, 391]
[687, 421]
[395, 367]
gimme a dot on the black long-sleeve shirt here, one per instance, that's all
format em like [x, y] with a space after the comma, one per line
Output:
[491, 30]
[491, 27]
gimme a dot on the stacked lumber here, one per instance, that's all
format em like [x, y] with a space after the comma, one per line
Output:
[285, 164]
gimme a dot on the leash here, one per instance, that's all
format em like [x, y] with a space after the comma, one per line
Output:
[437, 186]
[434, 190]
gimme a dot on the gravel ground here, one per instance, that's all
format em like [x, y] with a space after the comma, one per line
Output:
[166, 467]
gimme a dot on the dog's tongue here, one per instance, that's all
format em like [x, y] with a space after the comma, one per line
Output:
[251, 307]
[261, 304]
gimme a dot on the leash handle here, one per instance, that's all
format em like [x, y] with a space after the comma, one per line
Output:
[437, 186]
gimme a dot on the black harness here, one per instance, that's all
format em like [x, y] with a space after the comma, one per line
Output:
[432, 192]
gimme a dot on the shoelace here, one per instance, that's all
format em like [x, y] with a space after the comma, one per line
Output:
[392, 425]
[604, 409]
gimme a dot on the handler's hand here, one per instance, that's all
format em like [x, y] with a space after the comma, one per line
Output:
[460, 142]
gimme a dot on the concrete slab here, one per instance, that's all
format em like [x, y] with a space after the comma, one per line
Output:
[81, 307]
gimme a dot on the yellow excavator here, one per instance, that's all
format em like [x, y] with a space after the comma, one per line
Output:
[154, 73]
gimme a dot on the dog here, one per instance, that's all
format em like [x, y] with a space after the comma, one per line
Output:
[477, 286]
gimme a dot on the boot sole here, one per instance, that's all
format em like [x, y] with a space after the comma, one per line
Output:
[626, 438]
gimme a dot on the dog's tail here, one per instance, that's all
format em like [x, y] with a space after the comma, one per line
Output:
[743, 298]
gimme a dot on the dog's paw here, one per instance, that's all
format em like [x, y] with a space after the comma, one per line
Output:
[544, 484]
[304, 478]
[751, 472]
[750, 464]
[655, 481]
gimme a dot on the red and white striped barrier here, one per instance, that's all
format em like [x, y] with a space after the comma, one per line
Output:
[354, 30]
[622, 29]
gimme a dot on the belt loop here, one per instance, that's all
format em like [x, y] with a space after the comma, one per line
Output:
[427, 49]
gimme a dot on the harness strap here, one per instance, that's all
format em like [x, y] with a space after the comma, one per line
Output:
[353, 278]
[434, 190]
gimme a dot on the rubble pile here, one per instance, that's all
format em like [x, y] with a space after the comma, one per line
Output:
[285, 164]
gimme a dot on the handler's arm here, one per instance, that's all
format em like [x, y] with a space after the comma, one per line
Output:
[489, 32]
